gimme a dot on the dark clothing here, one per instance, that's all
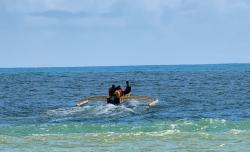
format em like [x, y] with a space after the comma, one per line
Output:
[116, 101]
[111, 91]
[127, 90]
[113, 100]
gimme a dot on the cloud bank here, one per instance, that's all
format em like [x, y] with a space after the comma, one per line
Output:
[120, 13]
[74, 32]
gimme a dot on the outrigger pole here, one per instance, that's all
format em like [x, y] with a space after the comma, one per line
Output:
[150, 100]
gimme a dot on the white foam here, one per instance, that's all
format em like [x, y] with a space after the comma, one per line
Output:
[67, 111]
[96, 109]
[112, 109]
[235, 131]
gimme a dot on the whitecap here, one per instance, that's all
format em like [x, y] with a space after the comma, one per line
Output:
[235, 131]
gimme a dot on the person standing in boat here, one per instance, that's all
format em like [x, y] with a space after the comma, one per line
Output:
[127, 90]
[111, 90]
[111, 94]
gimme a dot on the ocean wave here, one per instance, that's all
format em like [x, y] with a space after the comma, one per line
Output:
[179, 126]
[210, 134]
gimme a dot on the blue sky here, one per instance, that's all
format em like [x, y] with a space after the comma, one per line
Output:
[38, 33]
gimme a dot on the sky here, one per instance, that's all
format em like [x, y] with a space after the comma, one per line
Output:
[64, 33]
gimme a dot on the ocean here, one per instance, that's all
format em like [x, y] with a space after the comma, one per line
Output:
[199, 108]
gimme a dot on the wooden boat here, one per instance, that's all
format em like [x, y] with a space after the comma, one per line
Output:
[151, 101]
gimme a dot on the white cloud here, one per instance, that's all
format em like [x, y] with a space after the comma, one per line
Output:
[108, 5]
[27, 6]
[126, 12]
[227, 6]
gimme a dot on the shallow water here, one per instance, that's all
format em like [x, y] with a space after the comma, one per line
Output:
[200, 108]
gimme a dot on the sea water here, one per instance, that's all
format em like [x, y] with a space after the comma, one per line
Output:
[199, 108]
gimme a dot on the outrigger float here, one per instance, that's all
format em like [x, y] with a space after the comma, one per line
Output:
[151, 101]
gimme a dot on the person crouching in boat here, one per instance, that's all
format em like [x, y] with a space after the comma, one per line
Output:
[118, 94]
[115, 93]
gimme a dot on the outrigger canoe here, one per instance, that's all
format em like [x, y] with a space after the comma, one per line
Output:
[150, 100]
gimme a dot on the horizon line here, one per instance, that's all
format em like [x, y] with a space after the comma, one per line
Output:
[89, 66]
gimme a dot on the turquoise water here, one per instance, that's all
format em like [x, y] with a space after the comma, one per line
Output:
[200, 108]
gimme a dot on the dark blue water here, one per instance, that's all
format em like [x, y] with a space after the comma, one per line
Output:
[204, 95]
[184, 92]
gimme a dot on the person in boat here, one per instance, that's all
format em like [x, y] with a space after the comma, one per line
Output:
[115, 94]
[118, 92]
[127, 90]
[112, 90]
[111, 94]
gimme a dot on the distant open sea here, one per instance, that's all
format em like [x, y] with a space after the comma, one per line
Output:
[200, 108]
